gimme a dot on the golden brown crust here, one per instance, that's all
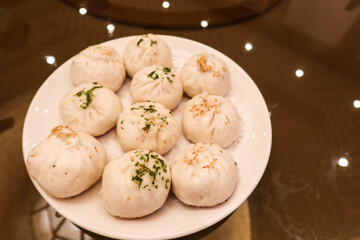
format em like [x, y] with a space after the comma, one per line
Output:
[202, 63]
[60, 133]
[205, 107]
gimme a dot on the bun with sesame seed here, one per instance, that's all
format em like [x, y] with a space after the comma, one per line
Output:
[205, 73]
[203, 175]
[66, 163]
[211, 119]
[101, 64]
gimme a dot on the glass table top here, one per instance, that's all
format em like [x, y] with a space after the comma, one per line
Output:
[303, 56]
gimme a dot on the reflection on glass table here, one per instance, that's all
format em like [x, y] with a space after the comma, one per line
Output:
[179, 14]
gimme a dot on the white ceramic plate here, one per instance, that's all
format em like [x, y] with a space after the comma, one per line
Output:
[174, 219]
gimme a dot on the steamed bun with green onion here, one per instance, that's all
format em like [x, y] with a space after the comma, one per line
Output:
[147, 125]
[146, 50]
[90, 108]
[157, 83]
[135, 184]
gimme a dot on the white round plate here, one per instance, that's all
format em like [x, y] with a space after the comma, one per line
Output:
[174, 219]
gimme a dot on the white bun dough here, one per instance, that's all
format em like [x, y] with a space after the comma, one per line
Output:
[66, 163]
[147, 125]
[158, 84]
[101, 64]
[146, 50]
[211, 119]
[205, 73]
[135, 184]
[203, 175]
[90, 108]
